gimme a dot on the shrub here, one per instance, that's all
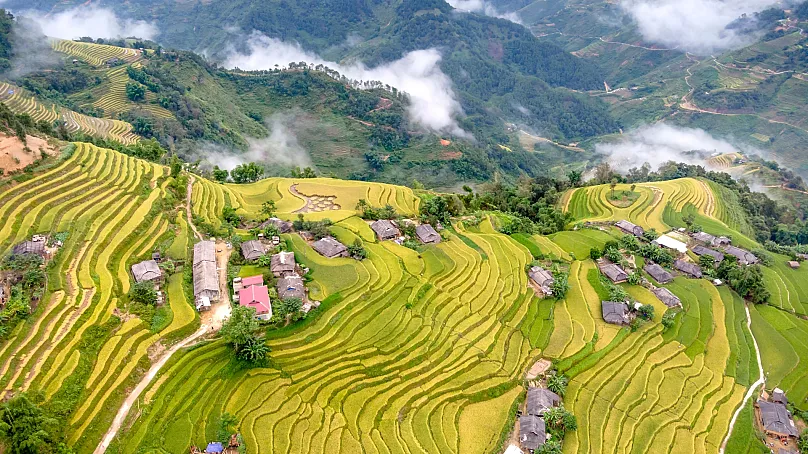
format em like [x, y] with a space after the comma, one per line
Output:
[144, 293]
[357, 250]
[646, 311]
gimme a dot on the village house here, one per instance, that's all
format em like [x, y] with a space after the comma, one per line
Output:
[802, 256]
[282, 264]
[385, 229]
[793, 264]
[329, 247]
[539, 400]
[206, 276]
[778, 396]
[291, 287]
[542, 278]
[671, 243]
[658, 273]
[532, 432]
[427, 234]
[615, 313]
[280, 224]
[629, 228]
[688, 268]
[203, 304]
[744, 257]
[256, 297]
[30, 248]
[147, 270]
[666, 296]
[701, 250]
[776, 419]
[704, 238]
[612, 271]
[252, 250]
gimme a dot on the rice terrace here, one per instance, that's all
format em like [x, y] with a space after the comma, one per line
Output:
[398, 347]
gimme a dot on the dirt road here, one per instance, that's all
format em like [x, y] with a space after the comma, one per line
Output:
[135, 394]
[189, 192]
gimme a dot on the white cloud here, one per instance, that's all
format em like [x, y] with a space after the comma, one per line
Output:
[697, 26]
[91, 21]
[660, 143]
[484, 7]
[280, 147]
[433, 103]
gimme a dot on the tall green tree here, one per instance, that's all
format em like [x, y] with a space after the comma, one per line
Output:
[25, 428]
[240, 327]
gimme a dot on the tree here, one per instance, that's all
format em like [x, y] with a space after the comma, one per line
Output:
[230, 217]
[27, 429]
[357, 250]
[612, 185]
[247, 173]
[560, 419]
[549, 447]
[220, 175]
[176, 166]
[707, 263]
[574, 177]
[669, 318]
[264, 261]
[560, 285]
[254, 350]
[135, 91]
[646, 311]
[227, 426]
[635, 278]
[633, 187]
[144, 293]
[557, 384]
[238, 329]
[595, 253]
[289, 306]
[268, 208]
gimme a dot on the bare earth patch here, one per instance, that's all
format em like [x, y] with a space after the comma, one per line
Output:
[14, 157]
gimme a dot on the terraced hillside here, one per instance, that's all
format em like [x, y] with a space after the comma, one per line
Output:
[110, 96]
[95, 54]
[80, 347]
[20, 101]
[292, 196]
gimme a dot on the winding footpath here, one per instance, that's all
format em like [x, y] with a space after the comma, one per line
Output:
[761, 381]
[213, 325]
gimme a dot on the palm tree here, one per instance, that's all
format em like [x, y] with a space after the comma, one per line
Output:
[254, 350]
[557, 384]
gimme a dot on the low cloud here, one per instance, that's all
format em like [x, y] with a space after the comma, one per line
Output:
[32, 51]
[660, 143]
[280, 148]
[91, 21]
[697, 26]
[433, 103]
[483, 7]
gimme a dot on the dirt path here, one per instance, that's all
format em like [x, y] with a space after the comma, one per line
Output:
[189, 192]
[135, 394]
[761, 381]
[211, 322]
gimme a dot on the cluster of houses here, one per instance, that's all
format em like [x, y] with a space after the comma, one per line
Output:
[251, 291]
[775, 419]
[542, 279]
[385, 229]
[532, 427]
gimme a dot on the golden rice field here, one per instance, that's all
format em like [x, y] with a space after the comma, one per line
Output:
[110, 96]
[94, 54]
[20, 101]
[410, 351]
[210, 198]
[75, 348]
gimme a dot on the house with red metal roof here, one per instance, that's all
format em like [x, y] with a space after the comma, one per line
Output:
[256, 297]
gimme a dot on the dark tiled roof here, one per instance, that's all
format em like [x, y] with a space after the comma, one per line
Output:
[531, 432]
[658, 273]
[252, 249]
[146, 271]
[743, 255]
[541, 276]
[701, 250]
[615, 313]
[540, 400]
[283, 226]
[282, 262]
[385, 229]
[204, 251]
[688, 268]
[613, 272]
[291, 287]
[776, 418]
[667, 297]
[630, 228]
[329, 247]
[427, 234]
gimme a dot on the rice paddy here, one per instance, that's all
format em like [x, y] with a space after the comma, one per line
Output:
[410, 351]
[75, 347]
[94, 54]
[22, 102]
